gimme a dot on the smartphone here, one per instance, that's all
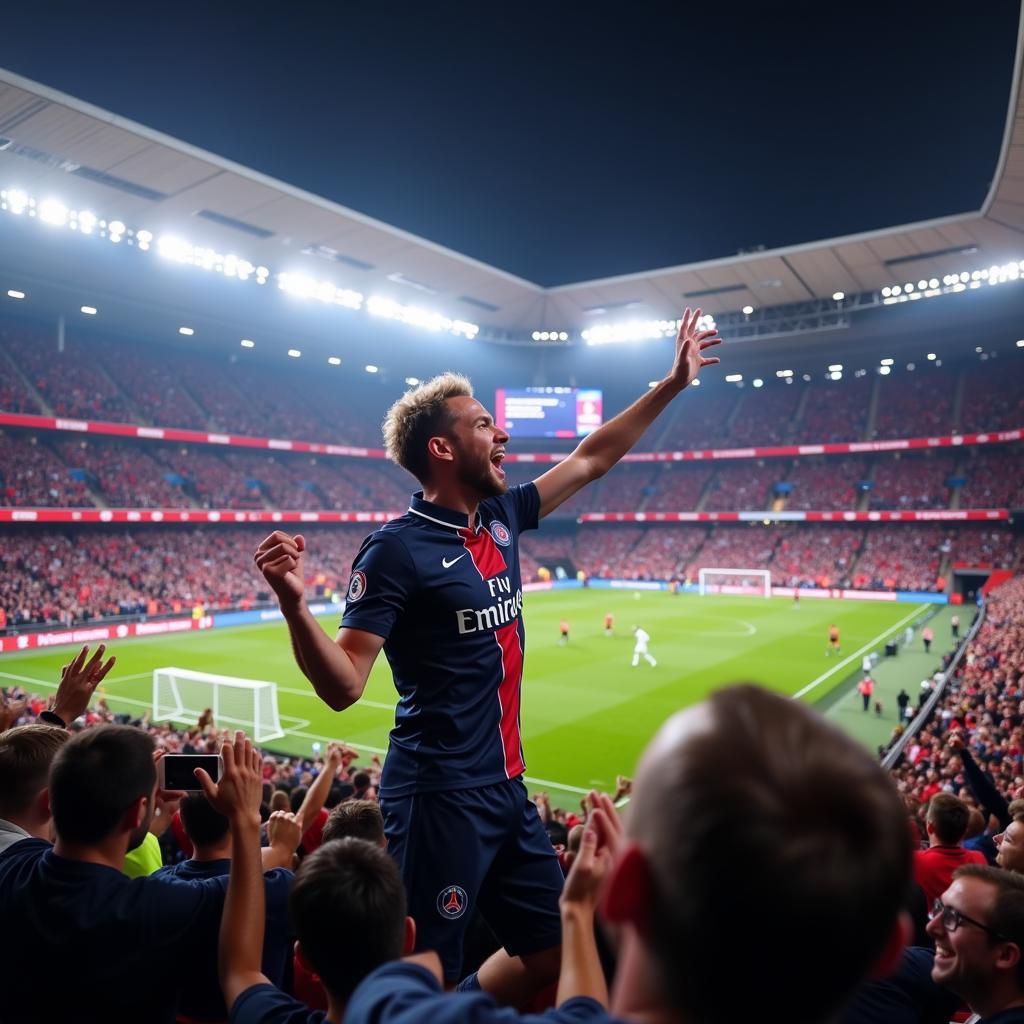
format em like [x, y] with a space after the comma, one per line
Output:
[178, 771]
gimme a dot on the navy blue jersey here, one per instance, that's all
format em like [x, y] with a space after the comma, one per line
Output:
[448, 600]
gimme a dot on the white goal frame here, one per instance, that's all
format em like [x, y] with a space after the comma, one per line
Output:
[763, 574]
[177, 703]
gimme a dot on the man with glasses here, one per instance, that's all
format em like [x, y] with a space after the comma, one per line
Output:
[978, 928]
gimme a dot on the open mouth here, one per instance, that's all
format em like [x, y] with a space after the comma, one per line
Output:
[496, 460]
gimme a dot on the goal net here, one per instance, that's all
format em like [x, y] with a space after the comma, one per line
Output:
[735, 581]
[181, 695]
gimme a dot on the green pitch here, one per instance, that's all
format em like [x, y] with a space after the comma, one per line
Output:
[586, 713]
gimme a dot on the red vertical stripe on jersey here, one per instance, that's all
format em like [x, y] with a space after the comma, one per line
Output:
[508, 695]
[489, 561]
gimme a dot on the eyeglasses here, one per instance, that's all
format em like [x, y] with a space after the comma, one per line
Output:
[952, 919]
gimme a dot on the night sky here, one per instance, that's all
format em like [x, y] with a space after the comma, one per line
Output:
[565, 141]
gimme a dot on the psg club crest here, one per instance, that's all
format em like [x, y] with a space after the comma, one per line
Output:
[452, 902]
[357, 585]
[499, 531]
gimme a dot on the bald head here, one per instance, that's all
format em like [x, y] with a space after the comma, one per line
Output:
[756, 817]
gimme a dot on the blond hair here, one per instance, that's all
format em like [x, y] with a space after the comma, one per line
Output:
[419, 415]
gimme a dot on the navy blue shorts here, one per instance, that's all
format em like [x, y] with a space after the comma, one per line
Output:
[476, 849]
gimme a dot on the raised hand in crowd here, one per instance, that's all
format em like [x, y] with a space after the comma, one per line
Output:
[10, 711]
[78, 681]
[239, 791]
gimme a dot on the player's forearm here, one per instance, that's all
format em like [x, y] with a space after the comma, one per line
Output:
[605, 446]
[322, 661]
[580, 973]
[242, 925]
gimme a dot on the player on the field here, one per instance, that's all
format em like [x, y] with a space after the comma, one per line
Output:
[833, 640]
[439, 590]
[609, 624]
[640, 647]
[563, 632]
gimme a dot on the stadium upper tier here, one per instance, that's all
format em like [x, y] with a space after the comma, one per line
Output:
[55, 470]
[93, 378]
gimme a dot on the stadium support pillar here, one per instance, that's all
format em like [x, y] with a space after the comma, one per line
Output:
[60, 333]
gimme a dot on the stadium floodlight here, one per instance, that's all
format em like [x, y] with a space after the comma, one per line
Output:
[412, 381]
[53, 211]
[733, 378]
[415, 316]
[931, 356]
[885, 370]
[886, 292]
[836, 368]
[307, 288]
[1020, 343]
[653, 383]
[370, 368]
[187, 331]
[563, 335]
[115, 229]
[86, 221]
[13, 293]
[758, 383]
[783, 373]
[334, 360]
[839, 296]
[836, 375]
[15, 200]
[247, 343]
[294, 353]
[747, 310]
[89, 310]
[535, 336]
[695, 383]
[887, 362]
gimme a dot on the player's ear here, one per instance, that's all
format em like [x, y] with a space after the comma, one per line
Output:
[409, 943]
[441, 448]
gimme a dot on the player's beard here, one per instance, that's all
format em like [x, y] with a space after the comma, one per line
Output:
[482, 479]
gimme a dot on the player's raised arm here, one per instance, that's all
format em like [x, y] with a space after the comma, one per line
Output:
[338, 669]
[598, 452]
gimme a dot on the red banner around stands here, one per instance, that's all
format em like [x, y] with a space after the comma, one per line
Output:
[94, 634]
[10, 419]
[173, 516]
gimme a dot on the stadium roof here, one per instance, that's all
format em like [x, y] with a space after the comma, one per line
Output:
[54, 144]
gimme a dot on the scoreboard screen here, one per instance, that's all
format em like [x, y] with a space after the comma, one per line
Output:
[548, 412]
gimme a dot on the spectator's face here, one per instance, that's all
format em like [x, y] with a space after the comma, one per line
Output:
[1011, 848]
[964, 958]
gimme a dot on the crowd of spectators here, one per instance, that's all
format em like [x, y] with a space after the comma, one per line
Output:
[992, 398]
[32, 475]
[283, 848]
[766, 415]
[836, 410]
[993, 478]
[901, 558]
[910, 481]
[746, 487]
[51, 577]
[809, 556]
[916, 404]
[825, 485]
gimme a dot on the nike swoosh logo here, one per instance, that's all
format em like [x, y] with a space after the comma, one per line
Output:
[448, 565]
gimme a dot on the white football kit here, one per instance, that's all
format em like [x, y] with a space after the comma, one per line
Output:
[640, 648]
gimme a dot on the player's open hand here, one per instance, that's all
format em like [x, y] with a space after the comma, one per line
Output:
[239, 790]
[690, 345]
[280, 559]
